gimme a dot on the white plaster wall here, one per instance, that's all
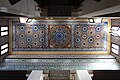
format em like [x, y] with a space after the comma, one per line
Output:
[26, 6]
[82, 75]
[21, 6]
[90, 6]
[36, 75]
[5, 3]
[31, 6]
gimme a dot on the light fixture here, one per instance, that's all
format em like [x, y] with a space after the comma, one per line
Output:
[115, 28]
[98, 20]
[115, 31]
[29, 20]
[23, 19]
[91, 20]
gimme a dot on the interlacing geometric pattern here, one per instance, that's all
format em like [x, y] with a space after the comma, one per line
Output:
[60, 35]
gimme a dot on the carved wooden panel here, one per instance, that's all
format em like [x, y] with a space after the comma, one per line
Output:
[115, 22]
[115, 39]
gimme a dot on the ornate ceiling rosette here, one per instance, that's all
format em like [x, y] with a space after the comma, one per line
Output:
[59, 36]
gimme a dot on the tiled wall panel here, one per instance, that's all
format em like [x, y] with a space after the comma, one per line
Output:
[60, 35]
